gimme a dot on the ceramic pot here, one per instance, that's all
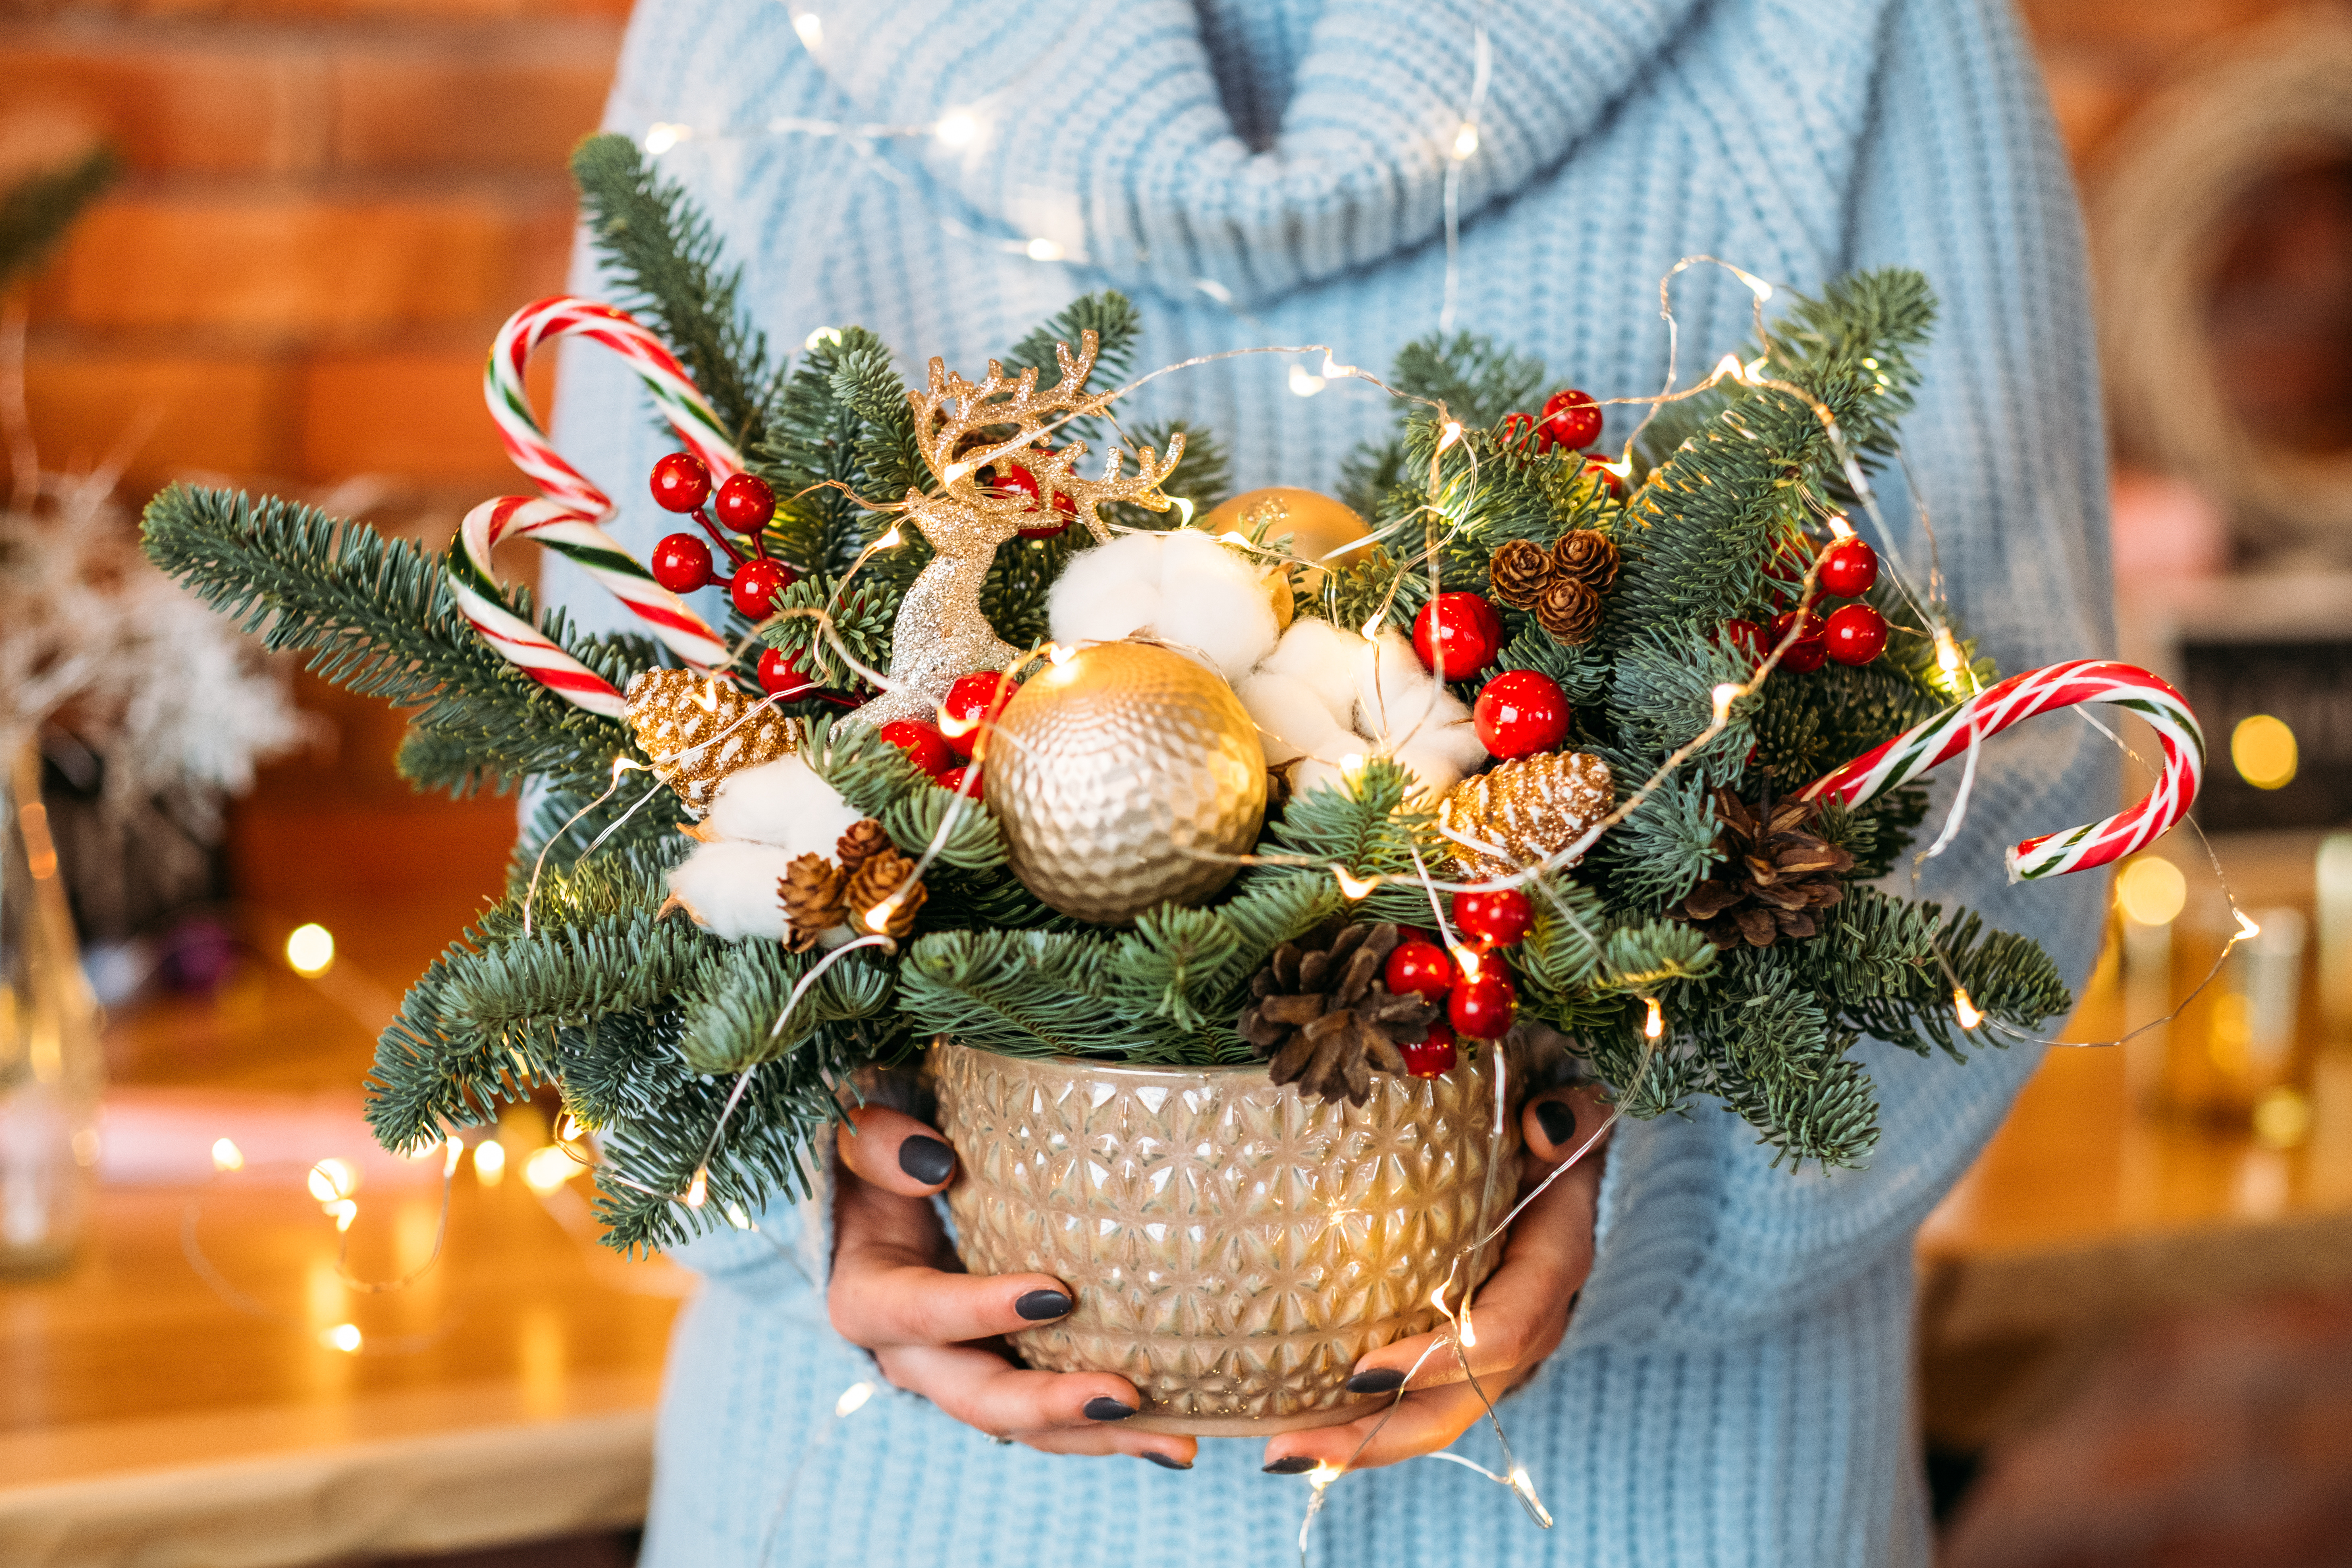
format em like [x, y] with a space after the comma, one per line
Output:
[1234, 1246]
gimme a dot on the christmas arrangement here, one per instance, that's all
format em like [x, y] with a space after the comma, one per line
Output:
[1012, 749]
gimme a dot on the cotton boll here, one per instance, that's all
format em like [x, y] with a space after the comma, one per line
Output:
[783, 803]
[1214, 602]
[1314, 773]
[729, 888]
[1322, 658]
[1392, 690]
[1293, 719]
[1108, 592]
[1436, 761]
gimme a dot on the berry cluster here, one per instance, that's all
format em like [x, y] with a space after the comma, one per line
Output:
[1851, 634]
[1478, 1000]
[1520, 711]
[681, 483]
[1571, 423]
[953, 751]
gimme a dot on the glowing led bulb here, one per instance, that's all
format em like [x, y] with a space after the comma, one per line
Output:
[811, 27]
[547, 1169]
[343, 1337]
[661, 136]
[697, 1191]
[1965, 1009]
[956, 129]
[853, 1399]
[226, 1155]
[1354, 887]
[489, 1162]
[1465, 141]
[1653, 1026]
[1725, 694]
[1305, 382]
[311, 950]
[1044, 249]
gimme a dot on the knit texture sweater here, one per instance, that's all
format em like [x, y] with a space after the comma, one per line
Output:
[1734, 1388]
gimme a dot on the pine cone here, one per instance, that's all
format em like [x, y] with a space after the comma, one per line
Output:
[884, 876]
[863, 841]
[1588, 556]
[1774, 872]
[1519, 572]
[699, 729]
[811, 891]
[1321, 1015]
[1569, 610]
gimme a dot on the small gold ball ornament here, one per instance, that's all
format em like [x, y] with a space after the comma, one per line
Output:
[1122, 776]
[1314, 523]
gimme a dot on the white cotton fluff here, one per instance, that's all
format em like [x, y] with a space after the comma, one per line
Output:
[729, 888]
[1376, 699]
[1181, 587]
[782, 803]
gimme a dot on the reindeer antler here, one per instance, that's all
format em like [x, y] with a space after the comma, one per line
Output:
[1000, 400]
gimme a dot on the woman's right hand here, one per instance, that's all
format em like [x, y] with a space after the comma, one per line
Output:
[937, 1330]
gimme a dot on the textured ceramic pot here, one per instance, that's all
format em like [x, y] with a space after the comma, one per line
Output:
[1234, 1246]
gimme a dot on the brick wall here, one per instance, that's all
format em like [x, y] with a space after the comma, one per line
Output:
[331, 206]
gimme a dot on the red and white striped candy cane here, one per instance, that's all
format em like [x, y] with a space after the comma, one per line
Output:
[566, 520]
[1996, 707]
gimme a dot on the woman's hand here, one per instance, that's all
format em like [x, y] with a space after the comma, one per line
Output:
[935, 1331]
[1519, 1315]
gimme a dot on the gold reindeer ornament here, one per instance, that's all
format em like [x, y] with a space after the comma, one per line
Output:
[940, 632]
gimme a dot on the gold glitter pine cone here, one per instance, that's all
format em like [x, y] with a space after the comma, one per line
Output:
[1569, 610]
[1519, 571]
[1531, 809]
[1588, 556]
[693, 728]
[1320, 1015]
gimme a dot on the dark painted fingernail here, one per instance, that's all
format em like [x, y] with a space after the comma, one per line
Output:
[1039, 1305]
[1380, 1380]
[930, 1162]
[1558, 1121]
[1297, 1465]
[1164, 1462]
[1102, 1407]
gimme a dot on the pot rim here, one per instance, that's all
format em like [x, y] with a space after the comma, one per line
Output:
[1073, 1066]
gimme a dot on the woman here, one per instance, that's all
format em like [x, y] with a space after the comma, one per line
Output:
[1733, 1386]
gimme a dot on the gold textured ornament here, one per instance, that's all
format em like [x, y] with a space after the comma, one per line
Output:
[1125, 776]
[941, 633]
[1531, 808]
[1313, 523]
[694, 728]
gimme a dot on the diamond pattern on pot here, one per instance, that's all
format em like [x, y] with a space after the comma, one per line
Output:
[1234, 1246]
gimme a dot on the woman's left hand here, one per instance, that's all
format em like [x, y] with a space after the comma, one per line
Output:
[1519, 1315]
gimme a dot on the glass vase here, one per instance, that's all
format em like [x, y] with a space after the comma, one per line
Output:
[51, 1071]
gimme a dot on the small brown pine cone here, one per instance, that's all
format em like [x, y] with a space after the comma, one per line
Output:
[811, 890]
[1519, 572]
[883, 896]
[863, 841]
[1569, 610]
[1588, 556]
[1321, 1018]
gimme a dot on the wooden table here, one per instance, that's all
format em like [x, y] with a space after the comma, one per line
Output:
[148, 1416]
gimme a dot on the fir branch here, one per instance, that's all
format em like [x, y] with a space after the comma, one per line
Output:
[743, 989]
[1117, 327]
[36, 212]
[1024, 993]
[377, 616]
[668, 258]
[860, 619]
[1363, 825]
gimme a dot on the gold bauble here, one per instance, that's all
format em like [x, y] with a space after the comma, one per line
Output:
[1531, 808]
[1123, 777]
[1314, 522]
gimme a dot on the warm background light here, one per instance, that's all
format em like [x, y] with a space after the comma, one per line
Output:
[2264, 752]
[2152, 890]
[310, 949]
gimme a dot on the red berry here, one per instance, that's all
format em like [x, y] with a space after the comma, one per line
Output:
[745, 504]
[1856, 634]
[681, 482]
[1745, 636]
[1805, 655]
[756, 585]
[1607, 476]
[1435, 1057]
[681, 564]
[1522, 713]
[780, 674]
[1465, 628]
[1497, 916]
[972, 704]
[1570, 419]
[1009, 480]
[1515, 430]
[924, 746]
[953, 780]
[1418, 965]
[1483, 1005]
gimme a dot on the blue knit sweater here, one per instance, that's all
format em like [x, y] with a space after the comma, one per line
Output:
[1735, 1389]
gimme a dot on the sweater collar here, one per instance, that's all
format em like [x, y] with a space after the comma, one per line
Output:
[1098, 132]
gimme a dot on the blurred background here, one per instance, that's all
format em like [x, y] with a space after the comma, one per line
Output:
[2136, 1315]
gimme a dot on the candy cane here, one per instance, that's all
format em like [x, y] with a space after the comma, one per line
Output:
[566, 520]
[1996, 707]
